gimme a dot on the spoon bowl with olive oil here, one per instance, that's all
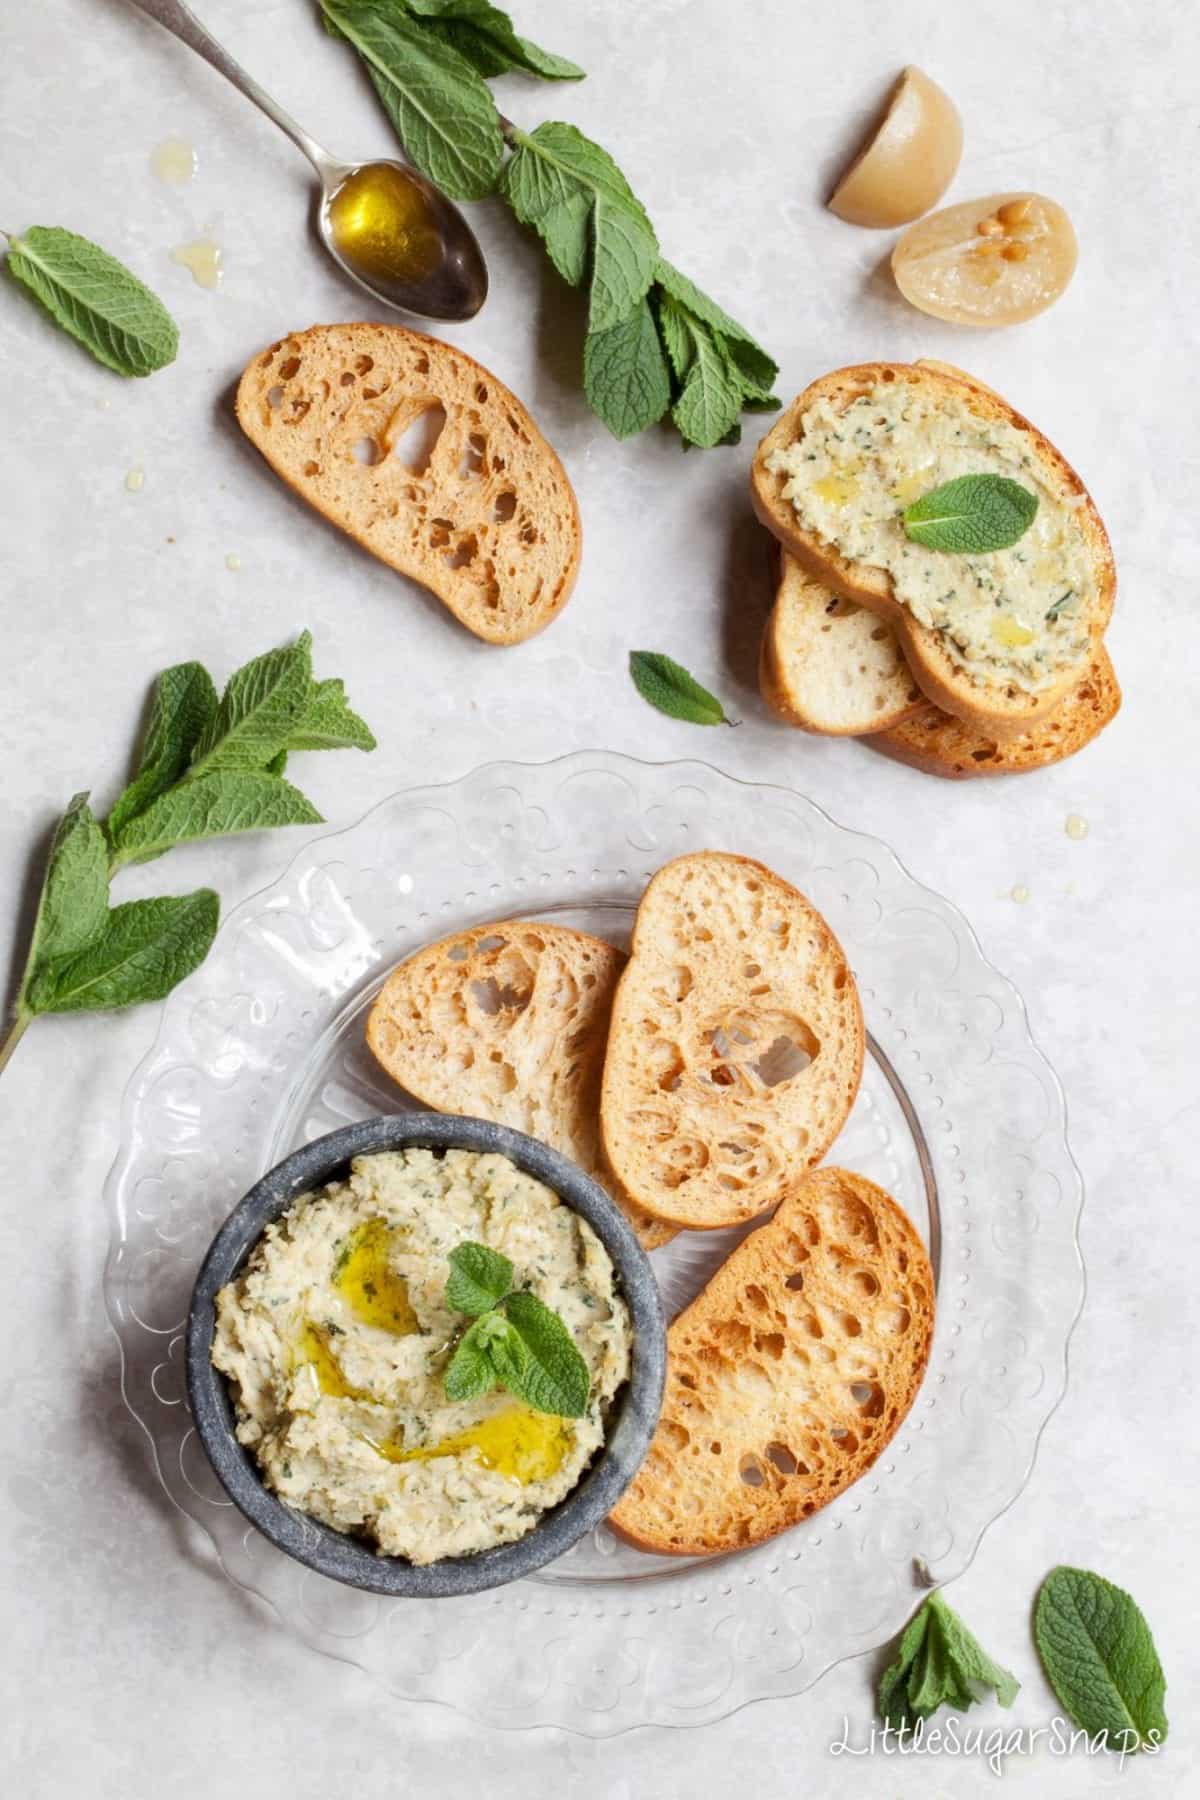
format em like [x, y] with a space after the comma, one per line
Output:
[387, 227]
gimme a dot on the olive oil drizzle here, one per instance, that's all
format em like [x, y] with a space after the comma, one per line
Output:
[516, 1442]
[366, 1281]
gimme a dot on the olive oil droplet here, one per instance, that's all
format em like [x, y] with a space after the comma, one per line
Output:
[174, 161]
[135, 480]
[516, 1442]
[203, 258]
[315, 1350]
[1076, 827]
[369, 1285]
[383, 226]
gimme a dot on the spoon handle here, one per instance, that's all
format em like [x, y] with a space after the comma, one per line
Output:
[184, 25]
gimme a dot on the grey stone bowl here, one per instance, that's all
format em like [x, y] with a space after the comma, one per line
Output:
[344, 1558]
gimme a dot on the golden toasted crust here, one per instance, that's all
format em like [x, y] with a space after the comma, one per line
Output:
[830, 666]
[509, 1022]
[941, 745]
[788, 1374]
[736, 1044]
[486, 520]
[1005, 712]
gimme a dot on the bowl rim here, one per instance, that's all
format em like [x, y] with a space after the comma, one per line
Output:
[354, 1562]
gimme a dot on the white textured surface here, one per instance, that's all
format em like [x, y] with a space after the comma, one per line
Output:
[129, 1665]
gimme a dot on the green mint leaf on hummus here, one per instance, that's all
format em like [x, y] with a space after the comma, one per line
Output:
[479, 1278]
[95, 298]
[971, 515]
[553, 1377]
[471, 1372]
[1100, 1659]
[938, 1663]
[667, 686]
[146, 948]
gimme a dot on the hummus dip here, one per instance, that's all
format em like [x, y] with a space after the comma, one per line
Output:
[336, 1337]
[1011, 618]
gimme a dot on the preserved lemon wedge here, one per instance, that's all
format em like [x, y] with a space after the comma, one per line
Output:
[995, 261]
[908, 162]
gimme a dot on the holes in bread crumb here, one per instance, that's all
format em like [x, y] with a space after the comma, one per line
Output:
[868, 1397]
[865, 1282]
[421, 365]
[312, 468]
[795, 1282]
[492, 996]
[493, 942]
[418, 438]
[481, 393]
[368, 452]
[785, 1059]
[297, 411]
[364, 364]
[751, 1471]
[346, 378]
[756, 1298]
[471, 462]
[850, 1326]
[505, 507]
[895, 1320]
[457, 953]
[464, 553]
[845, 1440]
[770, 1343]
[782, 1459]
[289, 368]
[275, 398]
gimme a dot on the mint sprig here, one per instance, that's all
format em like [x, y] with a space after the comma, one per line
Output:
[1100, 1659]
[488, 39]
[666, 686]
[971, 515]
[95, 298]
[938, 1663]
[208, 766]
[515, 1340]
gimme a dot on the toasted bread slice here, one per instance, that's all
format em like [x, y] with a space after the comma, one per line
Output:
[509, 1022]
[979, 695]
[483, 516]
[788, 1374]
[736, 1044]
[941, 745]
[829, 665]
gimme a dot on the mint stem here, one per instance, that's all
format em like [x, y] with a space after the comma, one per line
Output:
[16, 1032]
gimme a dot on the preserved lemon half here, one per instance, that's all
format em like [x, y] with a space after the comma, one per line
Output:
[908, 162]
[987, 262]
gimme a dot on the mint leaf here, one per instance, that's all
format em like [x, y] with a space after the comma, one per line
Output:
[709, 407]
[675, 331]
[748, 357]
[185, 703]
[479, 1278]
[95, 298]
[938, 1663]
[625, 374]
[971, 515]
[438, 103]
[325, 723]
[562, 184]
[215, 805]
[74, 900]
[470, 1372]
[489, 41]
[1100, 1659]
[552, 1376]
[145, 949]
[667, 686]
[262, 705]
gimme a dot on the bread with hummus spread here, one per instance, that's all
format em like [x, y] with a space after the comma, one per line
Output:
[481, 512]
[736, 1044]
[789, 1372]
[939, 744]
[509, 1022]
[830, 666]
[997, 639]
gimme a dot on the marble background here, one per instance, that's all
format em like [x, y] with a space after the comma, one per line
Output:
[129, 1664]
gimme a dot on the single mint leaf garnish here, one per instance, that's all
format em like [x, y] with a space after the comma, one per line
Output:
[439, 105]
[184, 706]
[479, 1278]
[74, 901]
[1100, 1659]
[553, 1377]
[625, 374]
[263, 703]
[145, 949]
[709, 406]
[216, 805]
[470, 1372]
[938, 1663]
[488, 39]
[971, 515]
[668, 687]
[326, 723]
[573, 194]
[95, 298]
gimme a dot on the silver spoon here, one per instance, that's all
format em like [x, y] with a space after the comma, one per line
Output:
[447, 277]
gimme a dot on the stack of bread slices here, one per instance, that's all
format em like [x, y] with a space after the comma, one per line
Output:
[702, 1080]
[843, 656]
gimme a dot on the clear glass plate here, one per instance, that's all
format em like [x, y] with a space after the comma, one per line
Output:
[959, 1116]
